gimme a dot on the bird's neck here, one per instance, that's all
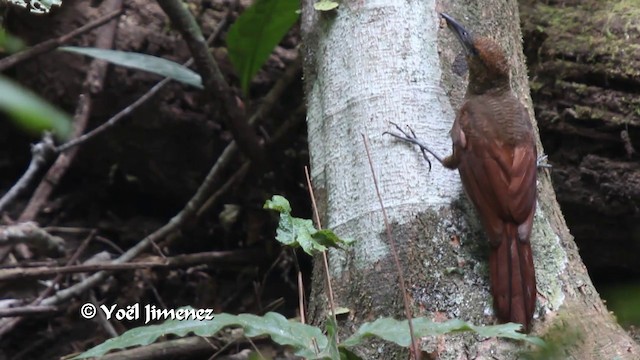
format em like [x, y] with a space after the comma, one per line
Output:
[488, 86]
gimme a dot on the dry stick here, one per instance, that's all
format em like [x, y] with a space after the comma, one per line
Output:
[218, 257]
[27, 310]
[8, 324]
[316, 217]
[22, 274]
[102, 318]
[41, 154]
[394, 251]
[51, 44]
[93, 84]
[76, 255]
[216, 88]
[303, 319]
[237, 176]
[129, 109]
[190, 347]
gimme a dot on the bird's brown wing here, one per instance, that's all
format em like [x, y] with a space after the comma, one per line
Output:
[500, 180]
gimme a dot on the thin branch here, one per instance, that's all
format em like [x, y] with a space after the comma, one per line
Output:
[392, 243]
[41, 154]
[316, 217]
[237, 176]
[28, 273]
[27, 310]
[141, 100]
[52, 44]
[213, 80]
[30, 233]
[268, 102]
[94, 81]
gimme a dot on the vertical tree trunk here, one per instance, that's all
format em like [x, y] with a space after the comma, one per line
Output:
[372, 62]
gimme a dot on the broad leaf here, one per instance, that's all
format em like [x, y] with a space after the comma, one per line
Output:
[398, 331]
[31, 112]
[302, 338]
[293, 231]
[278, 203]
[144, 62]
[256, 32]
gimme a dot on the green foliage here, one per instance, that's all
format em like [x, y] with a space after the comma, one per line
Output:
[30, 112]
[306, 340]
[624, 300]
[293, 231]
[36, 6]
[8, 43]
[559, 339]
[149, 63]
[397, 331]
[302, 338]
[325, 5]
[256, 32]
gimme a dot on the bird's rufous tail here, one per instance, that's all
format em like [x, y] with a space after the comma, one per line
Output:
[513, 279]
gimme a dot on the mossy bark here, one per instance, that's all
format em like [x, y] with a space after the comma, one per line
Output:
[369, 63]
[584, 61]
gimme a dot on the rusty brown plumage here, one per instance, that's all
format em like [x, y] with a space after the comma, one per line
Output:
[495, 154]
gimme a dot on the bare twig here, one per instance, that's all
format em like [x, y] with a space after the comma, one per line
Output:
[141, 100]
[268, 102]
[239, 174]
[101, 318]
[41, 154]
[190, 347]
[27, 310]
[30, 233]
[28, 273]
[93, 84]
[51, 44]
[301, 307]
[327, 274]
[213, 80]
[76, 255]
[392, 243]
[212, 257]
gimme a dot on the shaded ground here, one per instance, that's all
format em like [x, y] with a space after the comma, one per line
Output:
[130, 181]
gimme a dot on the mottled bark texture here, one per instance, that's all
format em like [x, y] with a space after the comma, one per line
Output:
[584, 60]
[371, 62]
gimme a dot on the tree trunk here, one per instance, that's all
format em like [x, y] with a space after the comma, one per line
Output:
[369, 63]
[584, 60]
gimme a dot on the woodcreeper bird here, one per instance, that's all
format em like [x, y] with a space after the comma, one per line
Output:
[495, 153]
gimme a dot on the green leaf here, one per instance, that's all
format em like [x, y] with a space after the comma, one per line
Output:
[278, 203]
[325, 5]
[9, 43]
[302, 338]
[331, 351]
[328, 238]
[256, 32]
[149, 63]
[30, 112]
[398, 331]
[293, 231]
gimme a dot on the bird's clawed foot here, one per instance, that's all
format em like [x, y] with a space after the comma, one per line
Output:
[411, 137]
[541, 162]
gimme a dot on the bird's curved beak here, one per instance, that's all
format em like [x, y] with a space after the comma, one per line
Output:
[465, 38]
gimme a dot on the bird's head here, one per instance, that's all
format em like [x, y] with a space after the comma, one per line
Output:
[488, 66]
